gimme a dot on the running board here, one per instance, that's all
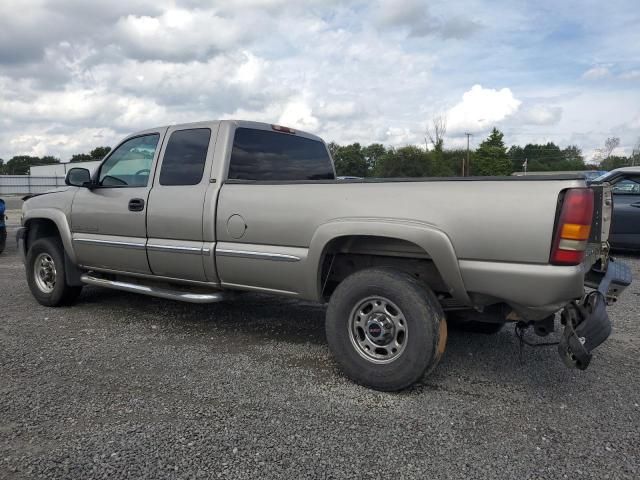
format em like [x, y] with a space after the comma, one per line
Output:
[154, 291]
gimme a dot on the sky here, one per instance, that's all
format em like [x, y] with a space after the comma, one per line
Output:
[77, 74]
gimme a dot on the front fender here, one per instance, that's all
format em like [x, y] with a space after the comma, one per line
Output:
[59, 218]
[431, 239]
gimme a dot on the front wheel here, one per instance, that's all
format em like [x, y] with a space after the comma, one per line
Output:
[46, 274]
[385, 329]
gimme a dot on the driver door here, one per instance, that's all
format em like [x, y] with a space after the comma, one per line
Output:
[108, 222]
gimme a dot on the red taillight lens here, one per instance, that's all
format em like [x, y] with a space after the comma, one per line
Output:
[574, 227]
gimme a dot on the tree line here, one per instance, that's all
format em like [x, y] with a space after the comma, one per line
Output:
[20, 164]
[490, 158]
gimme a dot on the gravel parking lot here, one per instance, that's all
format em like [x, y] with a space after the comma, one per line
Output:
[128, 386]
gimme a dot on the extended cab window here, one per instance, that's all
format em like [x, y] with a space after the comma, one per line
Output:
[130, 164]
[185, 156]
[265, 155]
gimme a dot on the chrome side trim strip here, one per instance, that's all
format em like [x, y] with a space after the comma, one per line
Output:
[154, 291]
[280, 257]
[175, 249]
[110, 243]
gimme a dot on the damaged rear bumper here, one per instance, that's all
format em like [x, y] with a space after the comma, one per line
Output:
[587, 322]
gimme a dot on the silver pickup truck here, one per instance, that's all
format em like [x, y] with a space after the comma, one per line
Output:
[196, 212]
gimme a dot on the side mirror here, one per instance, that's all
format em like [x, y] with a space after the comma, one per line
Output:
[78, 177]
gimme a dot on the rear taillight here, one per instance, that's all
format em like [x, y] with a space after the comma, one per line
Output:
[573, 228]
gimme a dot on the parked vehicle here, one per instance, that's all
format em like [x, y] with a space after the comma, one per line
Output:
[625, 187]
[591, 175]
[194, 212]
[3, 226]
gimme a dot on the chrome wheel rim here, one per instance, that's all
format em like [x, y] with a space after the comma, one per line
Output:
[378, 330]
[44, 273]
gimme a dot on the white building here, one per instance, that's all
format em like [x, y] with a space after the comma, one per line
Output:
[61, 169]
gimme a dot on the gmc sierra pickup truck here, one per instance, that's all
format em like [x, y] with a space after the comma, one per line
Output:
[195, 212]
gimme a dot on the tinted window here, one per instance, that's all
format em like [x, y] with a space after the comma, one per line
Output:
[628, 186]
[184, 157]
[265, 155]
[130, 164]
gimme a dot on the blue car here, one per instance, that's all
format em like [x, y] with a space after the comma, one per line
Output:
[3, 227]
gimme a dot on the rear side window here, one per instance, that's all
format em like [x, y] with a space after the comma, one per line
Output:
[185, 156]
[628, 186]
[265, 155]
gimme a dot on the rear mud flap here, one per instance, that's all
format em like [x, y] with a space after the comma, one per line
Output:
[587, 323]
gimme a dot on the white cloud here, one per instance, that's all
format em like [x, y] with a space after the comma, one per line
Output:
[596, 73]
[346, 70]
[298, 114]
[539, 114]
[414, 15]
[179, 34]
[631, 75]
[481, 108]
[338, 109]
[38, 143]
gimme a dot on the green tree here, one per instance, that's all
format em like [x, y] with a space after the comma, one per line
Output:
[409, 161]
[614, 161]
[97, 153]
[372, 154]
[546, 158]
[491, 156]
[333, 148]
[450, 164]
[81, 157]
[350, 160]
[20, 164]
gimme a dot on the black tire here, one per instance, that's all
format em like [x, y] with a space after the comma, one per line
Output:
[61, 293]
[426, 328]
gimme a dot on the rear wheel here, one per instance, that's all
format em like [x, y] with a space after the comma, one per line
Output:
[46, 273]
[385, 329]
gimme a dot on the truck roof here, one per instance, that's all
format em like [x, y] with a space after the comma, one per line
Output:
[627, 170]
[236, 123]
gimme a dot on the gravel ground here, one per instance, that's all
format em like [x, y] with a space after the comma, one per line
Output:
[128, 386]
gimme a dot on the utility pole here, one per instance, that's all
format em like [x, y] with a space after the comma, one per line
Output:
[465, 170]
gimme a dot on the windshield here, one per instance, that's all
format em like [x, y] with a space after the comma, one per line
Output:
[602, 178]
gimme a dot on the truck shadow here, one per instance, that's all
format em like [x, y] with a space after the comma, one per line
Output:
[252, 321]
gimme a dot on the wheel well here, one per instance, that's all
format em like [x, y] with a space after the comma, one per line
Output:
[346, 255]
[40, 228]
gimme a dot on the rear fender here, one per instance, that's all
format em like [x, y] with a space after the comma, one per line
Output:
[432, 240]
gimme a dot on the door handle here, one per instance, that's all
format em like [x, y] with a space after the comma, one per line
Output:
[637, 204]
[136, 204]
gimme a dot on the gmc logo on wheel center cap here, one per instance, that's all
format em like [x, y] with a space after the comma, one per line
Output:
[375, 330]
